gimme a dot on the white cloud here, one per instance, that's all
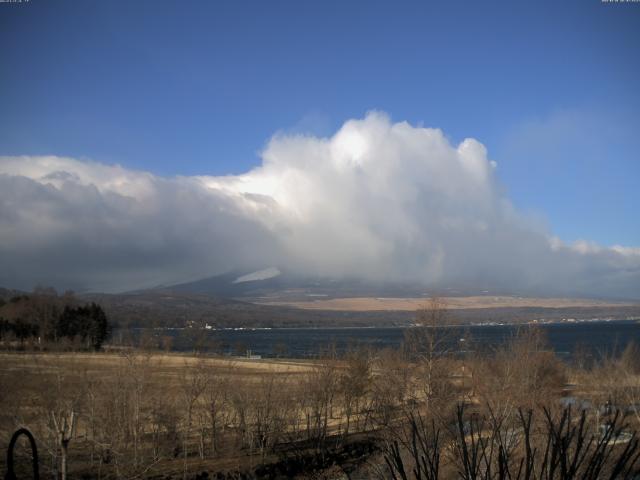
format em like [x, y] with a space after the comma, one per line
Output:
[377, 200]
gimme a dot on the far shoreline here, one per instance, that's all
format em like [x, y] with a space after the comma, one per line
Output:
[413, 325]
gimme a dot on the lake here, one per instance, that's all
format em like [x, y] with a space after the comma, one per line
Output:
[596, 337]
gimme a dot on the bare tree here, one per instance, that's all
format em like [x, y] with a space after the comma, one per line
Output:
[390, 384]
[428, 344]
[523, 373]
[193, 384]
[62, 401]
[486, 448]
[213, 417]
[64, 426]
[354, 383]
[320, 388]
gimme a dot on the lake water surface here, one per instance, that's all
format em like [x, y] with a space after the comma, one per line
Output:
[597, 337]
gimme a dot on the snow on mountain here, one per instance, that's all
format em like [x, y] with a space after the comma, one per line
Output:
[264, 274]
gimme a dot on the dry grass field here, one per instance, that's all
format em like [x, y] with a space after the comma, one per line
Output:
[166, 365]
[143, 414]
[129, 399]
[364, 304]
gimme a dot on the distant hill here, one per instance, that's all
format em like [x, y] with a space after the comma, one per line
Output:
[162, 309]
[286, 286]
[272, 298]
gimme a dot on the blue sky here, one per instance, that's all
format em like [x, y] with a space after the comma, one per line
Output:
[193, 87]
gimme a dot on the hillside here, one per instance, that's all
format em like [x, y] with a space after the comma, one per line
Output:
[153, 309]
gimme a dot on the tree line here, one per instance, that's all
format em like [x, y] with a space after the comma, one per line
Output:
[45, 318]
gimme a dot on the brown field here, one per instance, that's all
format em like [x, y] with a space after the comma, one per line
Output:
[150, 415]
[36, 385]
[168, 364]
[365, 304]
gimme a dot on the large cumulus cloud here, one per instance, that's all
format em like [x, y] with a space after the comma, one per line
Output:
[378, 200]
